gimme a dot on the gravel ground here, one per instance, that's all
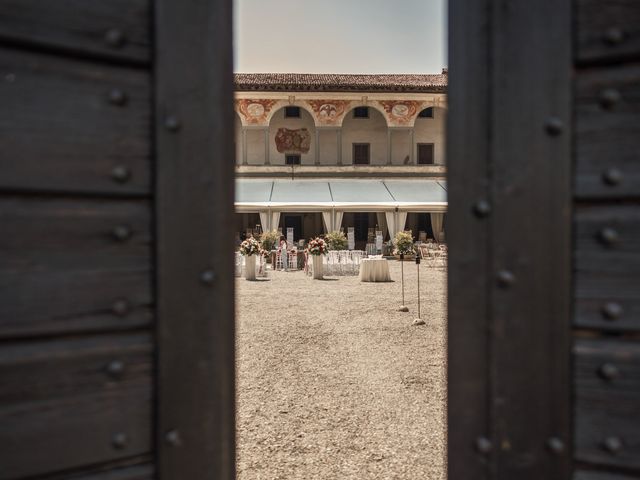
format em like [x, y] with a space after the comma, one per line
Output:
[335, 383]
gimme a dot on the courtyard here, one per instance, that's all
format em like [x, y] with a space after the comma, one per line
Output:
[334, 382]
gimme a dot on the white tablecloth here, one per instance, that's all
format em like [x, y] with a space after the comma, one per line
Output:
[374, 270]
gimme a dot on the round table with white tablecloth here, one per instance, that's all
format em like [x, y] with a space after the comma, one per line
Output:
[374, 270]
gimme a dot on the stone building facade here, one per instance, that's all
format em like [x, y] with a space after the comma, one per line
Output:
[352, 132]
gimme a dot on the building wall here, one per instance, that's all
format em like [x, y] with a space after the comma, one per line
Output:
[372, 130]
[393, 139]
[329, 145]
[279, 121]
[255, 144]
[401, 146]
[238, 139]
[432, 130]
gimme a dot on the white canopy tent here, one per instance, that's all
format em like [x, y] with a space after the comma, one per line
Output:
[393, 197]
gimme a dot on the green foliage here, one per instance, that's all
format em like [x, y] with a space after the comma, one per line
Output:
[269, 240]
[403, 243]
[336, 240]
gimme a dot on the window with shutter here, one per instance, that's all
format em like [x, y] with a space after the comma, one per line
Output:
[425, 154]
[361, 154]
[292, 159]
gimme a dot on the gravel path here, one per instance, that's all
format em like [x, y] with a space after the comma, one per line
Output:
[335, 383]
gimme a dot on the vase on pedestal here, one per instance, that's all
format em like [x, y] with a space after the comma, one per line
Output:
[317, 267]
[250, 267]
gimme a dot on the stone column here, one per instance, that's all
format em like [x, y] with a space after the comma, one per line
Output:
[388, 146]
[244, 146]
[413, 148]
[317, 150]
[339, 141]
[267, 160]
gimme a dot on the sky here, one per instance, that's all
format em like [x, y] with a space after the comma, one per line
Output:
[340, 36]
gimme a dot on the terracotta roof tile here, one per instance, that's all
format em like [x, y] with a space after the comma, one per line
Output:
[297, 82]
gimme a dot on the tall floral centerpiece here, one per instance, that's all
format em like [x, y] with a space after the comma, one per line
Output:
[250, 249]
[403, 245]
[336, 240]
[317, 248]
[269, 241]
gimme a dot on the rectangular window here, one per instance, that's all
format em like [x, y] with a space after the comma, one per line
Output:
[292, 159]
[426, 113]
[361, 112]
[425, 154]
[291, 112]
[361, 154]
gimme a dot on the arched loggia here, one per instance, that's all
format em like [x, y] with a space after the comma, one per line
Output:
[360, 133]
[292, 135]
[429, 135]
[238, 136]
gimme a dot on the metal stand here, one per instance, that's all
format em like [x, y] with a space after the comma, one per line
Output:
[418, 321]
[403, 307]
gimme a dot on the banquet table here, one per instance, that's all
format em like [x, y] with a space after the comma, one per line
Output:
[374, 270]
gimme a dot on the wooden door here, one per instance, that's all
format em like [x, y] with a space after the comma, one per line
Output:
[116, 191]
[543, 145]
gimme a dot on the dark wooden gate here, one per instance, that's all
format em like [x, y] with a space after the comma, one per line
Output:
[116, 311]
[544, 190]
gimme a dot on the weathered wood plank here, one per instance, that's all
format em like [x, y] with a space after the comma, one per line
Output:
[80, 26]
[128, 469]
[607, 402]
[142, 472]
[73, 126]
[74, 265]
[607, 30]
[70, 403]
[468, 238]
[529, 267]
[195, 218]
[607, 267]
[584, 475]
[607, 112]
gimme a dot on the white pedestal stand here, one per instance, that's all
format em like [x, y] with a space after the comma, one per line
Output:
[317, 267]
[250, 267]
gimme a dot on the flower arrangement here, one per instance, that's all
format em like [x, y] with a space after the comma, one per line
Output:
[336, 240]
[317, 246]
[403, 243]
[269, 240]
[250, 246]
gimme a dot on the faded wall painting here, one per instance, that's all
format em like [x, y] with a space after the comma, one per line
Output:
[329, 112]
[255, 112]
[293, 141]
[400, 112]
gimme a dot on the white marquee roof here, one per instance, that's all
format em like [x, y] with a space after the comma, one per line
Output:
[427, 195]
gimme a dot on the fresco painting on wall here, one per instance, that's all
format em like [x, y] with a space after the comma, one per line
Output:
[400, 112]
[255, 111]
[293, 141]
[329, 113]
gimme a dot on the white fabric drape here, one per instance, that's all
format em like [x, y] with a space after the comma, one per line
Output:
[275, 220]
[395, 222]
[264, 221]
[382, 223]
[436, 226]
[326, 219]
[338, 220]
[402, 221]
[391, 223]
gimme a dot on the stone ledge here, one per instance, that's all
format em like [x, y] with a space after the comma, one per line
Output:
[344, 171]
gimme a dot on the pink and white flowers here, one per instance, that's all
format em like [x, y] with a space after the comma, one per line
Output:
[317, 246]
[249, 247]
